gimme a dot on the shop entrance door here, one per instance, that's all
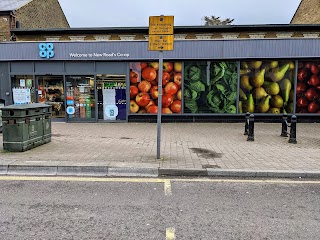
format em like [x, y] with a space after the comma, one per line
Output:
[111, 94]
[51, 92]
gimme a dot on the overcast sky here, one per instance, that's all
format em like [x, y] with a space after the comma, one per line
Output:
[133, 13]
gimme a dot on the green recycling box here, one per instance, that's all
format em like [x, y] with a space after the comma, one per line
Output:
[26, 126]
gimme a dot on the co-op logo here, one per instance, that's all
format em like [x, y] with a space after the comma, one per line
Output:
[46, 50]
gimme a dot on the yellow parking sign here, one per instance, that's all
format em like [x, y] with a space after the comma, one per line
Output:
[160, 25]
[161, 42]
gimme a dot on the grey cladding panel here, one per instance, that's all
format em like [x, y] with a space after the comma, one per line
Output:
[79, 67]
[183, 49]
[111, 67]
[4, 68]
[48, 67]
[21, 67]
[245, 48]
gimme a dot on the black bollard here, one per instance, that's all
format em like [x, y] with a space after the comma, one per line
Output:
[251, 128]
[246, 125]
[284, 130]
[293, 130]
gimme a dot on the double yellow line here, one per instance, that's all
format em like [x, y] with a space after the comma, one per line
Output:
[153, 180]
[166, 182]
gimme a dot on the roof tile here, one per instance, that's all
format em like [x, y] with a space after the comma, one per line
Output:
[9, 5]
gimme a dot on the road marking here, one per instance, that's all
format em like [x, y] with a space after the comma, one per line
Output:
[167, 188]
[81, 179]
[248, 181]
[167, 182]
[170, 234]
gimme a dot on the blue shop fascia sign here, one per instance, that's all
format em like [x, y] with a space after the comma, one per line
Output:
[46, 50]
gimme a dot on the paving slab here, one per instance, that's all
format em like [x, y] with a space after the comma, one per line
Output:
[204, 148]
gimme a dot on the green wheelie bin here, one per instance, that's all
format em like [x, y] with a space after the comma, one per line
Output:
[26, 126]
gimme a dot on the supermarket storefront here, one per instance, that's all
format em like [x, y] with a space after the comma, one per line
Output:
[117, 81]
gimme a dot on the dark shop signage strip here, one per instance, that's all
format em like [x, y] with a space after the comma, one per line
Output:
[184, 49]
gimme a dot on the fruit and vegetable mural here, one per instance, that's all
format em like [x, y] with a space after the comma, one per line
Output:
[308, 87]
[144, 87]
[216, 93]
[212, 87]
[266, 87]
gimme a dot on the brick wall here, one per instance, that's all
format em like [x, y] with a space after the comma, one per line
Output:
[42, 14]
[307, 13]
[4, 28]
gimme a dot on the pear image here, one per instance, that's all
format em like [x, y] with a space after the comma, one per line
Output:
[291, 96]
[245, 83]
[266, 84]
[255, 64]
[244, 65]
[242, 95]
[285, 86]
[258, 79]
[259, 93]
[277, 74]
[274, 64]
[264, 105]
[240, 107]
[276, 101]
[248, 106]
[244, 71]
[273, 88]
[274, 110]
[291, 65]
[289, 107]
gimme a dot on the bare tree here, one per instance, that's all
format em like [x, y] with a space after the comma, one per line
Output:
[213, 21]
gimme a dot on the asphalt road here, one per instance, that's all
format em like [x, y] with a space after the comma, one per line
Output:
[102, 208]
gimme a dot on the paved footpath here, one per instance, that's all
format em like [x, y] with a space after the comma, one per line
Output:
[201, 148]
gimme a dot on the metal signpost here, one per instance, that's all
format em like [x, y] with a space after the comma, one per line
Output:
[160, 39]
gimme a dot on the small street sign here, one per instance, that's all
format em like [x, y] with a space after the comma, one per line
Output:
[161, 42]
[161, 25]
[160, 39]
